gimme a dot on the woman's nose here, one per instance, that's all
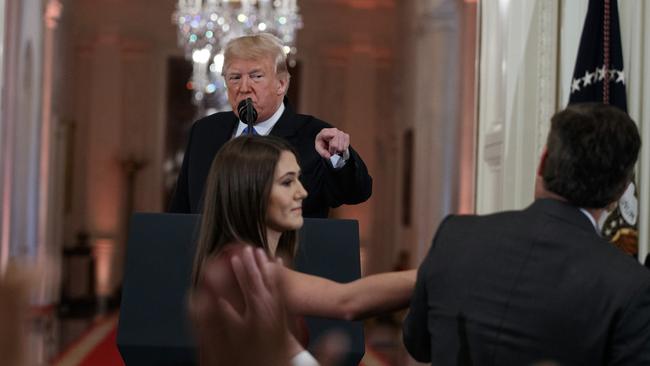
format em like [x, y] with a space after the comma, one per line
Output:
[302, 192]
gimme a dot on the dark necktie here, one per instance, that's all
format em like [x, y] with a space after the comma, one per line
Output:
[249, 130]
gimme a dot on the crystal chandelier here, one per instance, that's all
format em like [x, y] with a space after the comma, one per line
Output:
[205, 26]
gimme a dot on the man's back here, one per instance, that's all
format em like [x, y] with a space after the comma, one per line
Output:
[519, 287]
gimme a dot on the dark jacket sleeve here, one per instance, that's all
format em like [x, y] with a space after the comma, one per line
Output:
[631, 338]
[180, 201]
[415, 330]
[351, 184]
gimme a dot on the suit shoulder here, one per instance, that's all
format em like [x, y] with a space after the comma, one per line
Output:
[469, 219]
[213, 121]
[621, 263]
[311, 122]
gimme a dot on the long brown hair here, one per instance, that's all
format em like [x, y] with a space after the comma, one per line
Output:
[236, 198]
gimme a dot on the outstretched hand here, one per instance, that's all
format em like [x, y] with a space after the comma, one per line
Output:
[331, 141]
[251, 329]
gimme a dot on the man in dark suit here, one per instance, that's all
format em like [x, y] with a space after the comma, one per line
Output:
[524, 287]
[255, 67]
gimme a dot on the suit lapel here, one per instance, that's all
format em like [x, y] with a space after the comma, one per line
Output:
[287, 125]
[225, 129]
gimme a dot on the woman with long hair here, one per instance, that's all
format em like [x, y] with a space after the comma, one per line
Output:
[254, 196]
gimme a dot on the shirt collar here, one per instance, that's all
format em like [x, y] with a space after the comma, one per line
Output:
[263, 128]
[591, 218]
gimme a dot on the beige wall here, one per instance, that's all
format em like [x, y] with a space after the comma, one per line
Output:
[114, 112]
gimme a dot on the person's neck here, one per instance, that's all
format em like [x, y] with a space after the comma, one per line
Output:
[542, 192]
[272, 239]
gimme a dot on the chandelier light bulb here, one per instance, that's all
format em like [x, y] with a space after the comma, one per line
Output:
[218, 62]
[201, 56]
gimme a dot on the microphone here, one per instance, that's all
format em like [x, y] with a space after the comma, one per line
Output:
[247, 112]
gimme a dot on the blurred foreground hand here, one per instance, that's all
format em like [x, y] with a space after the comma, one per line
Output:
[239, 313]
[13, 317]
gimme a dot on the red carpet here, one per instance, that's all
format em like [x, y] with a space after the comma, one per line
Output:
[96, 347]
[106, 353]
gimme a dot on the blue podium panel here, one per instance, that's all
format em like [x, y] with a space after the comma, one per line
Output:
[154, 328]
[330, 249]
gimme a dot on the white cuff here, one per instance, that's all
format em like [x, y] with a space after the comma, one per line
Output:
[304, 358]
[339, 161]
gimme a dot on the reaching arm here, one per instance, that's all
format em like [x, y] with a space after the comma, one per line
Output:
[350, 184]
[367, 296]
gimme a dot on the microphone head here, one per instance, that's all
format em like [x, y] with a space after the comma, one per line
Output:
[246, 111]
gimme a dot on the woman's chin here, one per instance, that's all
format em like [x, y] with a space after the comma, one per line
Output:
[289, 225]
[295, 224]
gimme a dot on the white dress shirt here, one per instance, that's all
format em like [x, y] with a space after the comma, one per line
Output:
[591, 218]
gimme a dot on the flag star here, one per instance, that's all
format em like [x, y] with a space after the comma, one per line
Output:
[586, 80]
[601, 73]
[612, 74]
[621, 77]
[575, 86]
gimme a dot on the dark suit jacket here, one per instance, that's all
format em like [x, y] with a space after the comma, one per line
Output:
[518, 287]
[326, 186]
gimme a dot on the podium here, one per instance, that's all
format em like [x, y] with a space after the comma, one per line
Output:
[154, 329]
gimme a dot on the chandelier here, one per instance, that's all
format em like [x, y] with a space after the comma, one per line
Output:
[206, 26]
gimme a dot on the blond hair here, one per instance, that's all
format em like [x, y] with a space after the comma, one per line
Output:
[255, 47]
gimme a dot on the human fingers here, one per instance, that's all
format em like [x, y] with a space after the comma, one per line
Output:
[339, 143]
[322, 142]
[346, 142]
[333, 145]
[249, 279]
[269, 304]
[198, 306]
[266, 268]
[208, 318]
[254, 270]
[215, 276]
[227, 314]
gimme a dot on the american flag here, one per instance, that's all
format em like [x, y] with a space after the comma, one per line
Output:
[599, 77]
